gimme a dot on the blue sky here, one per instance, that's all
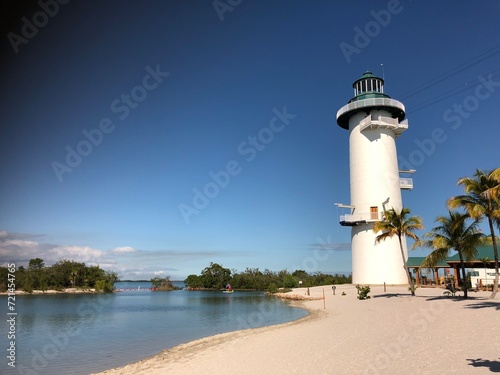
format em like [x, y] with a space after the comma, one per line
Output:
[115, 114]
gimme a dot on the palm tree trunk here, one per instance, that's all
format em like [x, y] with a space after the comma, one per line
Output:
[495, 255]
[410, 281]
[464, 278]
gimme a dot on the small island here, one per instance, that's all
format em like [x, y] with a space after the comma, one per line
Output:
[65, 276]
[163, 284]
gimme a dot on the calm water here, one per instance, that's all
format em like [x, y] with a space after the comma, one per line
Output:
[80, 334]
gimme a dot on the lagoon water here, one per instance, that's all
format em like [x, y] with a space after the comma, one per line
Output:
[81, 334]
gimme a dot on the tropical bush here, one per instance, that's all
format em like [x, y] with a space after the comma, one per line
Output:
[272, 288]
[363, 292]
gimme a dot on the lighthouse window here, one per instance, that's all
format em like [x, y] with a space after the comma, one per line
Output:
[374, 213]
[363, 86]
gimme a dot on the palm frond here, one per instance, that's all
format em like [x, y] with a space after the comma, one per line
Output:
[436, 256]
[397, 224]
[454, 233]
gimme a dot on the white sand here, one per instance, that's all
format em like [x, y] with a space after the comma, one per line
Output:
[391, 333]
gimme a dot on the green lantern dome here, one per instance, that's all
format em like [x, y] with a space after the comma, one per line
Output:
[368, 86]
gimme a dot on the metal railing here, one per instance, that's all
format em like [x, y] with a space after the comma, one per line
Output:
[372, 121]
[368, 217]
[372, 102]
[406, 183]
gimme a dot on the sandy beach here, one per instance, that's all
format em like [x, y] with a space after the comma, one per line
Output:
[390, 333]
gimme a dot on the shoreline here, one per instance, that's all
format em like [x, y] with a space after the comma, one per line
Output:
[52, 292]
[390, 332]
[183, 351]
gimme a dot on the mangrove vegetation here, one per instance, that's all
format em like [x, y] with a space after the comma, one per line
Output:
[216, 277]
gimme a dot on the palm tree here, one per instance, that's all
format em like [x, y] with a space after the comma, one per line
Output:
[454, 233]
[482, 199]
[398, 224]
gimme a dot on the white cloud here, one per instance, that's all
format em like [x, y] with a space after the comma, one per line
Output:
[332, 246]
[129, 263]
[122, 250]
[19, 248]
[21, 243]
[84, 254]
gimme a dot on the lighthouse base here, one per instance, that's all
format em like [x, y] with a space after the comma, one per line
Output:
[376, 263]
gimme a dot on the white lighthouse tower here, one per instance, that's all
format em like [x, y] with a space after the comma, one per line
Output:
[374, 122]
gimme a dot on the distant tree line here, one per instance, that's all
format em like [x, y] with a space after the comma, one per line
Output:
[216, 277]
[61, 275]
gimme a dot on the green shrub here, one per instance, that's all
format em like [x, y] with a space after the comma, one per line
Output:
[28, 288]
[290, 282]
[363, 291]
[272, 288]
[104, 286]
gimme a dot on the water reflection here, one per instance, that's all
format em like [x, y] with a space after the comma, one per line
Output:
[78, 334]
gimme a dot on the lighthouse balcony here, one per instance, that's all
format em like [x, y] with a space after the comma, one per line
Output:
[382, 122]
[406, 183]
[394, 107]
[353, 220]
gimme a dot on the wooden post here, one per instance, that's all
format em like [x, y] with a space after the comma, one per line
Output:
[455, 274]
[384, 287]
[324, 303]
